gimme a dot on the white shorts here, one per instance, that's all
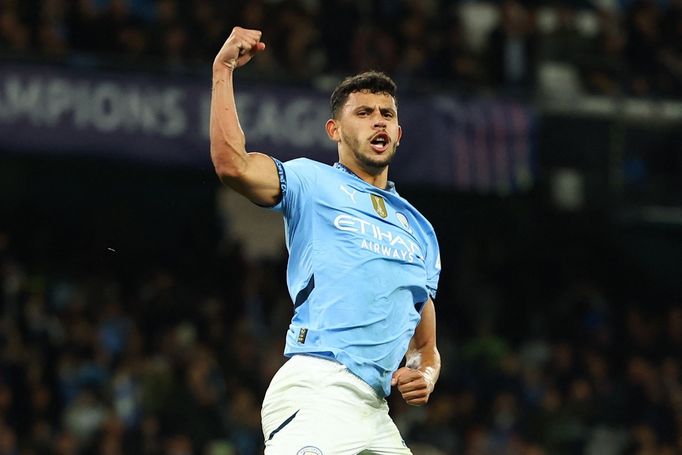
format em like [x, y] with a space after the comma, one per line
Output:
[318, 407]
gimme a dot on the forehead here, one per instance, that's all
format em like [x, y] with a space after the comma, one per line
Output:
[383, 100]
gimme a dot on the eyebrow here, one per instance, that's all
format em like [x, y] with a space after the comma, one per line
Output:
[371, 108]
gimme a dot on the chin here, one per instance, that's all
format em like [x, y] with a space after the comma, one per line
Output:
[376, 162]
[384, 160]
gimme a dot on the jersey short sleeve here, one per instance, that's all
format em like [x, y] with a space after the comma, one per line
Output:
[432, 264]
[296, 178]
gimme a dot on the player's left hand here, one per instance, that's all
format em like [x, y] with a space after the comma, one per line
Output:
[414, 385]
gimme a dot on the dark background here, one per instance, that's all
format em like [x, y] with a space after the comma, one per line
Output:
[133, 323]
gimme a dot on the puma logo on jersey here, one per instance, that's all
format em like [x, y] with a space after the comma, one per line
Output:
[350, 195]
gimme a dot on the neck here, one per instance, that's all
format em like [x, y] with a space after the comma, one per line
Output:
[376, 177]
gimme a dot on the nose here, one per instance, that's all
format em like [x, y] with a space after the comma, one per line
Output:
[379, 122]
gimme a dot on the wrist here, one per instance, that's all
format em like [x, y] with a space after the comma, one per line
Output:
[430, 376]
[220, 67]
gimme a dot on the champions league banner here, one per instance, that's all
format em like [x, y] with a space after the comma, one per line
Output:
[478, 145]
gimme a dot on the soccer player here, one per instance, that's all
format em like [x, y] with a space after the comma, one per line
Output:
[363, 269]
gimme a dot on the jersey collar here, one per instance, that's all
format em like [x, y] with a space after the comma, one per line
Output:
[390, 186]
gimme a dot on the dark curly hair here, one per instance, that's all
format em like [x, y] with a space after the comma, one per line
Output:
[370, 81]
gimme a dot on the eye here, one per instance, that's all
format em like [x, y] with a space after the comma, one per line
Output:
[388, 114]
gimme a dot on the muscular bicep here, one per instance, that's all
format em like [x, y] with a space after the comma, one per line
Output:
[257, 179]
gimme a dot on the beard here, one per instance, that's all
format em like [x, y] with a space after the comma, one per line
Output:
[370, 163]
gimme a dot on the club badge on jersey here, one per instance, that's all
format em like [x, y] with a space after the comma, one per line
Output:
[379, 205]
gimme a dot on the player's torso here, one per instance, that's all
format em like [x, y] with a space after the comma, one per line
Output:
[357, 272]
[359, 232]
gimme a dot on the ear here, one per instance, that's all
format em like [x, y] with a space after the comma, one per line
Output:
[332, 128]
[400, 134]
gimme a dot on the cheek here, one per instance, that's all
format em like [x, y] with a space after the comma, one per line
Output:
[350, 130]
[348, 137]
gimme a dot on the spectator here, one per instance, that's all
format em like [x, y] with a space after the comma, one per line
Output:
[512, 50]
[603, 67]
[671, 49]
[454, 60]
[643, 48]
[565, 43]
[420, 42]
[14, 33]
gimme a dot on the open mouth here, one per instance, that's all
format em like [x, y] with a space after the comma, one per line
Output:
[379, 142]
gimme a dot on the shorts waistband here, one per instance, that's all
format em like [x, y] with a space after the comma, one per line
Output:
[335, 366]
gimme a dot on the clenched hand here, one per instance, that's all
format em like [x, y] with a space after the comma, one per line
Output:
[414, 385]
[240, 47]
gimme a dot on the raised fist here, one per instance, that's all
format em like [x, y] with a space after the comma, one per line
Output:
[240, 47]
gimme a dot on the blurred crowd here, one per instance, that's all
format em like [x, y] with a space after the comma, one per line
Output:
[107, 357]
[546, 348]
[628, 47]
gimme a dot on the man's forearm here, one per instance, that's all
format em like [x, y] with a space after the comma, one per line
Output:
[427, 360]
[422, 353]
[228, 143]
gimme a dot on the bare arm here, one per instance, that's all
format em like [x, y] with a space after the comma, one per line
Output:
[417, 379]
[254, 175]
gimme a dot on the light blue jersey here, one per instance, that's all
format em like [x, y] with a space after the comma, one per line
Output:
[362, 262]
